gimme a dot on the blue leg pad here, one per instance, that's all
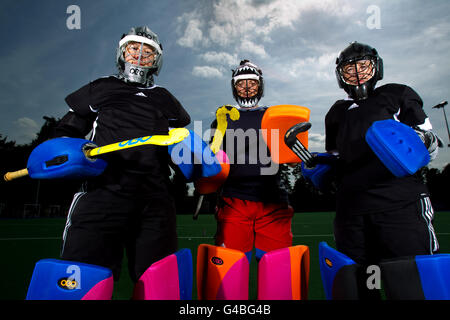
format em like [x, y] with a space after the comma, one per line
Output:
[259, 253]
[67, 280]
[333, 268]
[185, 273]
[434, 271]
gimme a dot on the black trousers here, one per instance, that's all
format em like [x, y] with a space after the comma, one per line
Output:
[102, 224]
[370, 238]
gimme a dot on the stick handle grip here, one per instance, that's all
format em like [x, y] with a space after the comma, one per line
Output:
[15, 174]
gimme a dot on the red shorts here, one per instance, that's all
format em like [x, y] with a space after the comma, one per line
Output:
[242, 223]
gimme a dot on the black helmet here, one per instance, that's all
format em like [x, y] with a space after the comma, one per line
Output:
[352, 54]
[247, 70]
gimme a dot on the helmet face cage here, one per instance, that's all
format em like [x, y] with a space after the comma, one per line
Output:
[146, 54]
[247, 71]
[245, 86]
[358, 69]
[142, 43]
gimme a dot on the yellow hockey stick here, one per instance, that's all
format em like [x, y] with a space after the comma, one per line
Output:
[15, 174]
[222, 124]
[175, 135]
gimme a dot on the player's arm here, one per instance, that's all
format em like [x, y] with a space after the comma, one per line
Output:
[322, 170]
[73, 125]
[321, 173]
[431, 140]
[83, 105]
[178, 117]
[412, 114]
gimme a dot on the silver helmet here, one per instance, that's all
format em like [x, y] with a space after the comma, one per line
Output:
[247, 71]
[139, 56]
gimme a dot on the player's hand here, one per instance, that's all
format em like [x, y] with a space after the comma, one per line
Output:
[321, 170]
[430, 140]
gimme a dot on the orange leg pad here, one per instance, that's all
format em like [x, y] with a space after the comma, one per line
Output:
[222, 273]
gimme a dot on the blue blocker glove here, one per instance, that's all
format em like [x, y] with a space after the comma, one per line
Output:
[194, 158]
[398, 146]
[322, 170]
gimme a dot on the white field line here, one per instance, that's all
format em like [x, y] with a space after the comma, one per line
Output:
[187, 237]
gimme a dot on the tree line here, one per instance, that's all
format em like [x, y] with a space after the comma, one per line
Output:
[25, 198]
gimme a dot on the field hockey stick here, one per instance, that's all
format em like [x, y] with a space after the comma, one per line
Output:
[15, 174]
[199, 206]
[290, 139]
[222, 124]
[175, 135]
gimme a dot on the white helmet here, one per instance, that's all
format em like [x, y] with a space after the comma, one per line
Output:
[137, 71]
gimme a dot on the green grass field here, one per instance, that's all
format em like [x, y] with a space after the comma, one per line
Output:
[25, 241]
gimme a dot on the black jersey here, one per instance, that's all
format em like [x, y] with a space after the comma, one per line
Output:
[365, 184]
[116, 111]
[249, 157]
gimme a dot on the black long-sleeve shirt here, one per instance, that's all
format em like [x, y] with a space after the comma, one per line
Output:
[364, 183]
[113, 111]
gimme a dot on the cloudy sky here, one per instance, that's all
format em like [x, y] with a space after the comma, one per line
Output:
[295, 42]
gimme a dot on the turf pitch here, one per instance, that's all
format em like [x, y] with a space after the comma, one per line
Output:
[25, 241]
